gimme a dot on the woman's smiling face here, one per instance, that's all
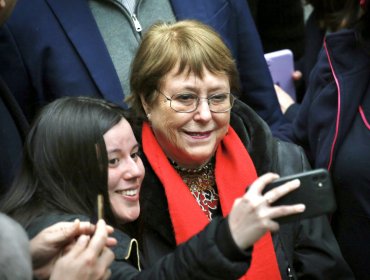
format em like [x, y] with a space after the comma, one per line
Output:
[190, 139]
[125, 172]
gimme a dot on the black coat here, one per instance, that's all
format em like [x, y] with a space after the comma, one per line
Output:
[306, 248]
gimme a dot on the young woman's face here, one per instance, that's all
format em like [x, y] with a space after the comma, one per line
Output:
[125, 172]
[190, 139]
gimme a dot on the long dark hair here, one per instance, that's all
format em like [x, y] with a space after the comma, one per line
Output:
[335, 14]
[364, 26]
[65, 161]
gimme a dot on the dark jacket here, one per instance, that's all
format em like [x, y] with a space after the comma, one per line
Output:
[53, 48]
[314, 38]
[13, 130]
[179, 264]
[328, 127]
[306, 248]
[338, 83]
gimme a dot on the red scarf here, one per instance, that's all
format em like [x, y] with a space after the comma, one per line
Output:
[234, 171]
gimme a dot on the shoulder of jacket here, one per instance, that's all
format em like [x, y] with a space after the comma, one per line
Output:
[290, 158]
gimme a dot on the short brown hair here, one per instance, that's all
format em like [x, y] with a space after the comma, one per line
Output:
[191, 45]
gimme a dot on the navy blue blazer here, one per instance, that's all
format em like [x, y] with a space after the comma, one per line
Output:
[53, 48]
[13, 130]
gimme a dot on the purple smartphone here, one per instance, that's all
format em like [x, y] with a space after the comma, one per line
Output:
[281, 67]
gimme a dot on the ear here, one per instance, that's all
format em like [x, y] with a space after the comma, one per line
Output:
[145, 106]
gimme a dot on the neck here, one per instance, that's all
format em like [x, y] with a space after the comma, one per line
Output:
[193, 169]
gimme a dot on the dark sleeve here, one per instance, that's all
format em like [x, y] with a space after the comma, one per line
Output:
[14, 72]
[317, 254]
[317, 111]
[14, 128]
[309, 111]
[292, 112]
[290, 159]
[257, 86]
[198, 258]
[227, 245]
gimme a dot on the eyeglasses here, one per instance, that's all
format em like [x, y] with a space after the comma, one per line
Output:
[187, 102]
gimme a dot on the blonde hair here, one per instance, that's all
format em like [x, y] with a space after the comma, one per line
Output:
[190, 44]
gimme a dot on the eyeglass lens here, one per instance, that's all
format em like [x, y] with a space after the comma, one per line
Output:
[188, 102]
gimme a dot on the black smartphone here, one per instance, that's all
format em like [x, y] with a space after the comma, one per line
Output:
[316, 192]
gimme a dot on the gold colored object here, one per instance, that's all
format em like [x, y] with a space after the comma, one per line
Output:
[100, 206]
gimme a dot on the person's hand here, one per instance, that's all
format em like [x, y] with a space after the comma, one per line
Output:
[285, 100]
[88, 259]
[47, 246]
[252, 216]
[297, 75]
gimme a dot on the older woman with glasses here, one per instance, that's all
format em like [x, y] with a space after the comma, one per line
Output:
[203, 148]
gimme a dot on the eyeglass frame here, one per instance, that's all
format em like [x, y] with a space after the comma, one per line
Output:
[231, 96]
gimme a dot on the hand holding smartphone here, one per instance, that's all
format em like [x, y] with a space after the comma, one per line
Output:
[281, 66]
[316, 192]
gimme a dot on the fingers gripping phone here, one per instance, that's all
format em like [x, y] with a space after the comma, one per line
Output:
[281, 66]
[316, 192]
